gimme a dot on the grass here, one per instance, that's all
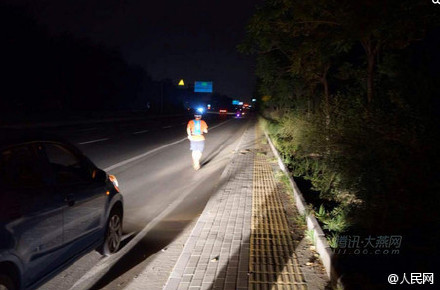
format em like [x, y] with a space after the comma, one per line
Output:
[310, 234]
[284, 180]
[332, 240]
[321, 214]
[300, 219]
[337, 223]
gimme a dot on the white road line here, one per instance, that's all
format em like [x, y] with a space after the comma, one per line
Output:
[166, 127]
[154, 150]
[141, 156]
[220, 124]
[103, 265]
[93, 141]
[140, 132]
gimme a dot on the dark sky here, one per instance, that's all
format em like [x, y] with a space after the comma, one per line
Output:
[193, 40]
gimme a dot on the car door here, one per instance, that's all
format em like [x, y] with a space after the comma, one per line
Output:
[31, 211]
[84, 196]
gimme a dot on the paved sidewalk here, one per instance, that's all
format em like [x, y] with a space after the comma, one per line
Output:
[217, 251]
[241, 240]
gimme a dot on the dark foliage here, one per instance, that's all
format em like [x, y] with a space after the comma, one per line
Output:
[350, 95]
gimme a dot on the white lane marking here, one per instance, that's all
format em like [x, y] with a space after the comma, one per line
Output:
[104, 265]
[141, 155]
[221, 124]
[154, 150]
[140, 132]
[93, 141]
[166, 127]
[126, 236]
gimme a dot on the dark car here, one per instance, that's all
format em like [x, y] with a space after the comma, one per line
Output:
[55, 206]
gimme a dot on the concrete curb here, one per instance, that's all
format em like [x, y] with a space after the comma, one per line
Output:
[322, 247]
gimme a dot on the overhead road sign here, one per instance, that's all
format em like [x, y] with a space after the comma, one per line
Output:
[202, 87]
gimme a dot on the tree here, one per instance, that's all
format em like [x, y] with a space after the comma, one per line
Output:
[380, 25]
[307, 36]
[296, 40]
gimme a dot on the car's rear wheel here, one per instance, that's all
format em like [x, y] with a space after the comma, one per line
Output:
[113, 234]
[6, 283]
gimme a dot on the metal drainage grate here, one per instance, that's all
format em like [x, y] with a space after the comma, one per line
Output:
[273, 263]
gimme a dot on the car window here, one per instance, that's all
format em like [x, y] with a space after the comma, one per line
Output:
[19, 168]
[67, 166]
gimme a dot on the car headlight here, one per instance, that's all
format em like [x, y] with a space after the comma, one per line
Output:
[113, 179]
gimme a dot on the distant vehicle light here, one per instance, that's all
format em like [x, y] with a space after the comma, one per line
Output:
[200, 110]
[223, 111]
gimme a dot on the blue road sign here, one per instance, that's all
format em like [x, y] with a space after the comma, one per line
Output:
[203, 87]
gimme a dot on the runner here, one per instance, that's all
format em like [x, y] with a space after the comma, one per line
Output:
[195, 130]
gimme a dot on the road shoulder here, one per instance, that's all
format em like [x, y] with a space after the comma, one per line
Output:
[242, 239]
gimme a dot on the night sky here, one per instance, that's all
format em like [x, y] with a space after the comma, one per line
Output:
[193, 40]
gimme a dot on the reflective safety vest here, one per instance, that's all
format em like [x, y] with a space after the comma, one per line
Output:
[197, 128]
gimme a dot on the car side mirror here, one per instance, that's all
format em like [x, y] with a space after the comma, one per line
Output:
[99, 175]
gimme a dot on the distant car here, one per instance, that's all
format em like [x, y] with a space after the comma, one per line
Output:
[223, 111]
[55, 206]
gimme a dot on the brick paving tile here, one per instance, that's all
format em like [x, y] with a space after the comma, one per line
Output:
[218, 237]
[241, 240]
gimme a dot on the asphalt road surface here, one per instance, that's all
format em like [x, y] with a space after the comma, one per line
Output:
[162, 193]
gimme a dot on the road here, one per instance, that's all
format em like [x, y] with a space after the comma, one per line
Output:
[162, 193]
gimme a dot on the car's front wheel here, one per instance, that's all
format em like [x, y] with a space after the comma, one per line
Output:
[6, 283]
[113, 233]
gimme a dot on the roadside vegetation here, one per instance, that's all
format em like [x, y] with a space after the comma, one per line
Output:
[348, 91]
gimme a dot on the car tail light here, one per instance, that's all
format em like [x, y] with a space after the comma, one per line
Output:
[113, 179]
